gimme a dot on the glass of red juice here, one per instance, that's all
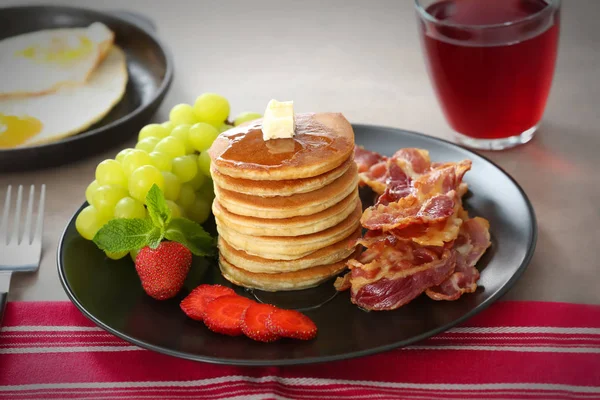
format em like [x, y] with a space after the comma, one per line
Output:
[491, 63]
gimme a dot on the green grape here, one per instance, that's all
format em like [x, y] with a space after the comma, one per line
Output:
[182, 132]
[153, 130]
[121, 155]
[204, 163]
[106, 198]
[110, 172]
[209, 195]
[142, 179]
[187, 196]
[176, 211]
[89, 221]
[202, 136]
[245, 117]
[161, 161]
[207, 191]
[147, 144]
[186, 167]
[182, 114]
[172, 185]
[168, 125]
[212, 108]
[199, 211]
[171, 146]
[129, 207]
[224, 127]
[116, 256]
[197, 182]
[91, 189]
[133, 254]
[135, 159]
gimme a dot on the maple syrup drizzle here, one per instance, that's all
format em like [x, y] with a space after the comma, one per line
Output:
[309, 145]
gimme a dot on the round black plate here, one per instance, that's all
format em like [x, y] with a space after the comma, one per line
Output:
[109, 292]
[150, 70]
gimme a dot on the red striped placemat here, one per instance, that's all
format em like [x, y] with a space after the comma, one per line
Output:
[524, 350]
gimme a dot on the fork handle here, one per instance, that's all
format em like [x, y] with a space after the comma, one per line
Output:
[3, 301]
[4, 286]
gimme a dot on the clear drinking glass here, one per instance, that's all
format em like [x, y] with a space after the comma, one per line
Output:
[491, 63]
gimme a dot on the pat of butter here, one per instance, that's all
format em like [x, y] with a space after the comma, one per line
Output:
[279, 121]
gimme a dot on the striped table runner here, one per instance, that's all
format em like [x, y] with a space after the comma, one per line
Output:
[513, 350]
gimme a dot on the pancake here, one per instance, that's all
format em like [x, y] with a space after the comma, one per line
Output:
[327, 255]
[285, 281]
[290, 206]
[322, 142]
[286, 187]
[291, 248]
[294, 226]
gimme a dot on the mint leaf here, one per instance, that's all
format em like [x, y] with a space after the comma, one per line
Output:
[122, 234]
[159, 212]
[155, 237]
[191, 235]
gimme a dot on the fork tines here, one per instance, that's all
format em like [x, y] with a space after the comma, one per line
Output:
[21, 234]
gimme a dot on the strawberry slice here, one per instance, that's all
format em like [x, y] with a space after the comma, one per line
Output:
[195, 303]
[291, 324]
[224, 314]
[254, 323]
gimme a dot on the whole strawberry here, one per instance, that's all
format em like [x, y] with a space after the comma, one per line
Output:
[165, 245]
[163, 270]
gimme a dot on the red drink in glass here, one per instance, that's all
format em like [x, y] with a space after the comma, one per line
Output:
[492, 64]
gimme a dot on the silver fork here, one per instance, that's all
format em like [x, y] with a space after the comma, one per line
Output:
[21, 246]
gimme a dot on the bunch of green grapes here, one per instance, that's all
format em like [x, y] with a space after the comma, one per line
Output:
[173, 155]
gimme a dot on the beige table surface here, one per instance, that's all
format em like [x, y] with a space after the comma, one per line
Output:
[363, 58]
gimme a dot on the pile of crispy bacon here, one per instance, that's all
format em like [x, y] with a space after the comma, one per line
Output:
[419, 238]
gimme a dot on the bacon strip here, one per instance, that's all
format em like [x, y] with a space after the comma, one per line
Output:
[372, 169]
[392, 272]
[375, 177]
[414, 162]
[434, 234]
[391, 178]
[442, 179]
[398, 184]
[471, 243]
[433, 198]
[365, 159]
[392, 293]
[409, 211]
[419, 239]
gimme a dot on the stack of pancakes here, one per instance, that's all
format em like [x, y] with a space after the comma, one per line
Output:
[287, 210]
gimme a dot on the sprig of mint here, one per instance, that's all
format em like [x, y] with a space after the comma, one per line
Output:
[159, 211]
[126, 234]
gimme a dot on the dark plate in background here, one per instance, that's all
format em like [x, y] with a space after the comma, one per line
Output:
[150, 70]
[109, 292]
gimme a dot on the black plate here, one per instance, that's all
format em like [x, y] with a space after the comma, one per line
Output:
[109, 292]
[150, 69]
